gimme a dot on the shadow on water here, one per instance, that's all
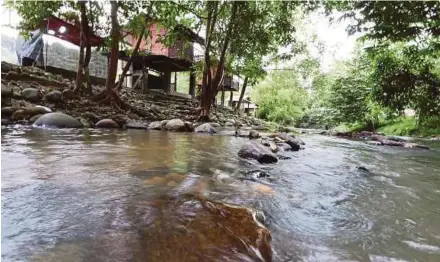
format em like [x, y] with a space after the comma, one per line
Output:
[110, 195]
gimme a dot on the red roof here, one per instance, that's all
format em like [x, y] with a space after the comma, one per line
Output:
[72, 32]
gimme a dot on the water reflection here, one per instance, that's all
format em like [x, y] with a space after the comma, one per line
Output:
[106, 195]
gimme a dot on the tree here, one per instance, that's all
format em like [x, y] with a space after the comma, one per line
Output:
[232, 27]
[281, 98]
[404, 43]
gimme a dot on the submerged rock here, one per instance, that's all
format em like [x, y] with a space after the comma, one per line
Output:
[205, 128]
[106, 123]
[257, 152]
[196, 229]
[58, 120]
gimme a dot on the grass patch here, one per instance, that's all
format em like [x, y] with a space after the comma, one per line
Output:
[402, 126]
[405, 126]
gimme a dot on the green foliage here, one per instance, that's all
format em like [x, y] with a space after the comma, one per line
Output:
[403, 78]
[281, 98]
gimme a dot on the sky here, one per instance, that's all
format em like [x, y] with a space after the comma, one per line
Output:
[339, 45]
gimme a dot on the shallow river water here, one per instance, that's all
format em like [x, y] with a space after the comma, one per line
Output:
[91, 195]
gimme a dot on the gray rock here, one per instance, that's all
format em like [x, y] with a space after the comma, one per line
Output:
[176, 125]
[7, 112]
[229, 123]
[85, 122]
[290, 140]
[284, 146]
[35, 110]
[214, 124]
[6, 91]
[47, 109]
[156, 125]
[34, 118]
[132, 124]
[54, 96]
[258, 152]
[253, 134]
[58, 120]
[206, 128]
[31, 94]
[164, 122]
[106, 123]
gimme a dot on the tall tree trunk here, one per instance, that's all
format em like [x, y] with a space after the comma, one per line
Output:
[113, 64]
[207, 73]
[79, 74]
[212, 86]
[243, 90]
[86, 29]
[130, 61]
[110, 93]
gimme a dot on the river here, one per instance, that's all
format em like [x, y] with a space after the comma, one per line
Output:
[88, 195]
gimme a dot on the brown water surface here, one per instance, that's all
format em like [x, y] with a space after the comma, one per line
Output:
[110, 195]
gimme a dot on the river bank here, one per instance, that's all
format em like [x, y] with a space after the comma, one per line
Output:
[402, 126]
[26, 89]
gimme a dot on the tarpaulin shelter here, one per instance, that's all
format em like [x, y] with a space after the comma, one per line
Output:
[32, 50]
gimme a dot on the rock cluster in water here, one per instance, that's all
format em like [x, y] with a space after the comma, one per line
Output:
[379, 139]
[265, 150]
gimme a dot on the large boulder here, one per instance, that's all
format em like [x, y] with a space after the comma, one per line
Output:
[58, 120]
[31, 94]
[132, 124]
[205, 128]
[290, 140]
[54, 96]
[257, 152]
[176, 125]
[106, 123]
